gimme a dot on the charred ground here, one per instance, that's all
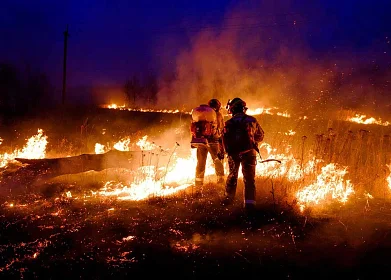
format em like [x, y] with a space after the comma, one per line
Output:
[49, 236]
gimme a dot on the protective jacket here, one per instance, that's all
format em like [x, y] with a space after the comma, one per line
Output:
[241, 133]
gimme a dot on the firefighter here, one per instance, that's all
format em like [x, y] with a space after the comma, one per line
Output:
[206, 136]
[241, 136]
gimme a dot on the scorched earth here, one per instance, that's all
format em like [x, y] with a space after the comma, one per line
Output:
[323, 209]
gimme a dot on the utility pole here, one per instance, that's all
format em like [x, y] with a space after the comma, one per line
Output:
[64, 74]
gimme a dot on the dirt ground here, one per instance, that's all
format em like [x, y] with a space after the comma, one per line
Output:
[44, 235]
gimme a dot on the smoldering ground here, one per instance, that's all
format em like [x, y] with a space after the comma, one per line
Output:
[64, 227]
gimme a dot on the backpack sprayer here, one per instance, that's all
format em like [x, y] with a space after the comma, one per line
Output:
[203, 119]
[202, 127]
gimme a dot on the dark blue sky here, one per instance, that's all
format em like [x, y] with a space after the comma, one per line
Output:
[110, 40]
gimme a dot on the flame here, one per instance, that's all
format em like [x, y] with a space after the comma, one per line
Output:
[370, 120]
[99, 148]
[115, 106]
[123, 107]
[284, 114]
[151, 182]
[389, 177]
[145, 145]
[260, 111]
[368, 195]
[128, 238]
[290, 132]
[35, 148]
[290, 167]
[123, 145]
[329, 185]
[256, 111]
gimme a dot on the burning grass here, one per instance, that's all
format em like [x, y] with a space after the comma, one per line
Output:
[327, 201]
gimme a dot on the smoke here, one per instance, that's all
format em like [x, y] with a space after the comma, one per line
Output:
[267, 61]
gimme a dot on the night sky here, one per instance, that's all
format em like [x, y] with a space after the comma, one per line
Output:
[111, 40]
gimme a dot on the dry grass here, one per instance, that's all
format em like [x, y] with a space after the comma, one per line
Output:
[192, 236]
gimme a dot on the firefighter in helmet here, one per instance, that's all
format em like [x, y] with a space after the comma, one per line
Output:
[206, 138]
[241, 136]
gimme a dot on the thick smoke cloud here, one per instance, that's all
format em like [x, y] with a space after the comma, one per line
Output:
[268, 61]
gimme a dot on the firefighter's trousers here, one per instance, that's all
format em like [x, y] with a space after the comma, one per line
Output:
[202, 154]
[248, 162]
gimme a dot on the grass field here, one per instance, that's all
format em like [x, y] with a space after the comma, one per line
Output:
[66, 228]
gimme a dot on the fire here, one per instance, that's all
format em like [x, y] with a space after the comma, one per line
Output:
[152, 182]
[123, 145]
[363, 119]
[145, 145]
[115, 106]
[256, 111]
[290, 167]
[260, 111]
[329, 185]
[128, 238]
[389, 177]
[99, 148]
[123, 107]
[284, 114]
[12, 205]
[179, 174]
[35, 148]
